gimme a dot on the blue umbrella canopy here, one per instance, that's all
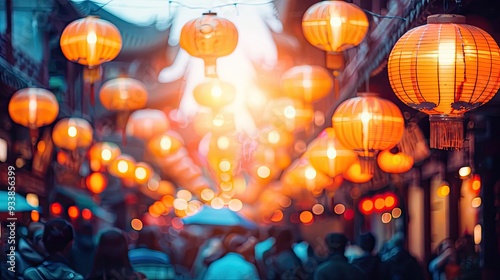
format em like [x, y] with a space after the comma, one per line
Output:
[21, 204]
[219, 217]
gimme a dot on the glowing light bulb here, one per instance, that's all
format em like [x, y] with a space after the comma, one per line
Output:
[207, 194]
[91, 38]
[106, 154]
[216, 91]
[335, 21]
[290, 112]
[122, 166]
[365, 117]
[310, 173]
[72, 131]
[273, 137]
[218, 120]
[32, 107]
[446, 53]
[331, 153]
[223, 142]
[224, 165]
[166, 143]
[263, 172]
[464, 171]
[141, 173]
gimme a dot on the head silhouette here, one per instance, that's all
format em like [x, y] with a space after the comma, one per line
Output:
[336, 242]
[57, 235]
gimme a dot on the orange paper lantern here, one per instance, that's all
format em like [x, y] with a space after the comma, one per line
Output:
[394, 162]
[334, 26]
[123, 94]
[306, 83]
[303, 175]
[328, 156]
[72, 133]
[445, 68]
[209, 37]
[33, 107]
[214, 94]
[368, 124]
[147, 123]
[142, 172]
[91, 41]
[104, 152]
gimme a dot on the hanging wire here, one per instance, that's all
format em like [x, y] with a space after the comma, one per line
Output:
[381, 16]
[445, 5]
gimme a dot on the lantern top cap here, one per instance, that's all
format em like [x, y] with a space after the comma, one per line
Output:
[368, 94]
[445, 18]
[209, 14]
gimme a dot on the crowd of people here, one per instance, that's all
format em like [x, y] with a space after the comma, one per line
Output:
[58, 250]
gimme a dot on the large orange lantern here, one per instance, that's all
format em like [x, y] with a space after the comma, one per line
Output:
[328, 156]
[394, 162]
[306, 83]
[96, 182]
[91, 41]
[33, 108]
[147, 123]
[123, 95]
[214, 94]
[166, 143]
[334, 26]
[209, 37]
[368, 124]
[72, 133]
[445, 68]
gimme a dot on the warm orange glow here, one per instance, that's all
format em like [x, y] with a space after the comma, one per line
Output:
[33, 107]
[386, 218]
[214, 94]
[302, 175]
[307, 83]
[464, 171]
[396, 213]
[327, 155]
[334, 26]
[35, 216]
[207, 194]
[165, 144]
[476, 202]
[72, 133]
[445, 68]
[123, 94]
[366, 206]
[443, 191]
[379, 203]
[235, 205]
[209, 37]
[142, 172]
[91, 41]
[277, 216]
[96, 182]
[136, 224]
[476, 183]
[123, 167]
[217, 203]
[306, 217]
[147, 123]
[104, 152]
[86, 214]
[354, 174]
[390, 201]
[56, 209]
[73, 212]
[394, 163]
[368, 124]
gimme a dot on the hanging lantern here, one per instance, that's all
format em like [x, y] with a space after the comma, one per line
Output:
[208, 38]
[147, 123]
[72, 133]
[103, 153]
[123, 167]
[96, 182]
[394, 162]
[334, 26]
[306, 83]
[274, 137]
[216, 122]
[123, 95]
[91, 41]
[33, 108]
[166, 143]
[214, 94]
[302, 174]
[368, 124]
[354, 173]
[278, 156]
[328, 156]
[445, 68]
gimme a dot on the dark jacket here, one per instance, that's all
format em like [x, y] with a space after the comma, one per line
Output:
[370, 265]
[55, 267]
[337, 268]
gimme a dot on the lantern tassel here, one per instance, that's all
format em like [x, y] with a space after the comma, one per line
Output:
[33, 139]
[447, 132]
[367, 164]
